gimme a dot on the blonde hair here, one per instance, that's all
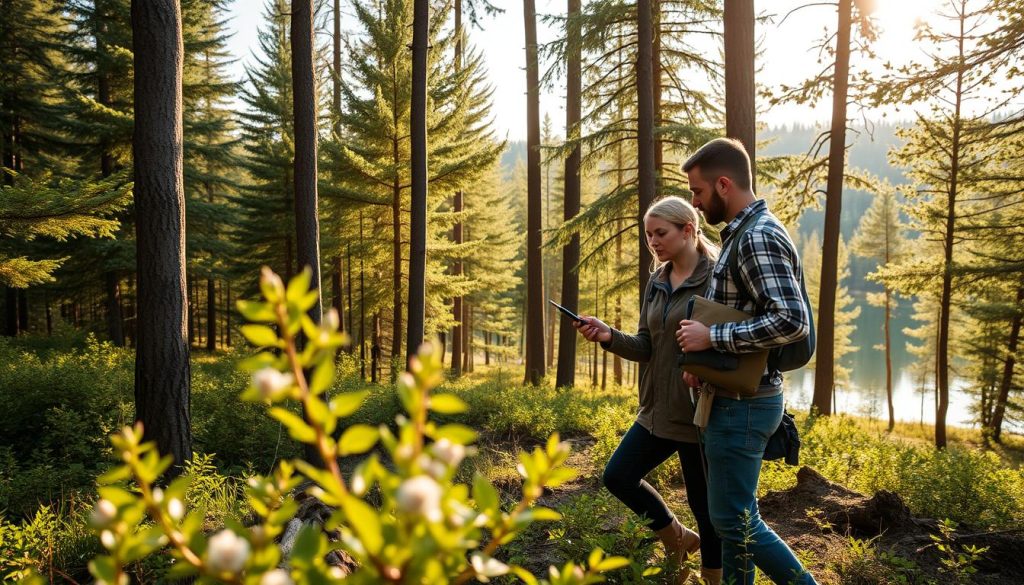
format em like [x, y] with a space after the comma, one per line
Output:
[679, 212]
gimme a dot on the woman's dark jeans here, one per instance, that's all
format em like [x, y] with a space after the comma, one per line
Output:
[636, 456]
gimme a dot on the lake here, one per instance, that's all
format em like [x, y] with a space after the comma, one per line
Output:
[866, 395]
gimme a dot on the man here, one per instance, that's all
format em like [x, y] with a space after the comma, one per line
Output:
[739, 426]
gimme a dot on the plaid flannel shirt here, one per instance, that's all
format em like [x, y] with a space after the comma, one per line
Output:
[770, 268]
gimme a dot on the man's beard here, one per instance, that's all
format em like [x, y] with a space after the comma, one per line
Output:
[714, 211]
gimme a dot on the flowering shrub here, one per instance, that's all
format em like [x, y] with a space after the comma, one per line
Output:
[428, 529]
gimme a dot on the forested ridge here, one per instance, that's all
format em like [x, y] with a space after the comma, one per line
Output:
[336, 269]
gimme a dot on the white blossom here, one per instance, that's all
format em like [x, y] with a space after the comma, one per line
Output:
[486, 567]
[420, 495]
[276, 577]
[104, 513]
[108, 539]
[227, 552]
[175, 509]
[272, 383]
[451, 453]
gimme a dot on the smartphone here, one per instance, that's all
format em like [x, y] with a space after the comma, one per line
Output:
[567, 312]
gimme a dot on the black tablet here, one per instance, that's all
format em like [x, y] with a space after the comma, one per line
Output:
[566, 312]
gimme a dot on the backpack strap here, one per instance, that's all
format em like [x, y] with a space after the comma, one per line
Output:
[734, 257]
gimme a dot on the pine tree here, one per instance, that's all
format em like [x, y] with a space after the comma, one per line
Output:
[210, 160]
[370, 159]
[264, 231]
[846, 310]
[880, 237]
[99, 122]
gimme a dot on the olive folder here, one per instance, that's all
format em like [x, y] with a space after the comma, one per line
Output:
[740, 373]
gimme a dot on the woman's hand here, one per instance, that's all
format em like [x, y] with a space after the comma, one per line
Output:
[691, 380]
[593, 329]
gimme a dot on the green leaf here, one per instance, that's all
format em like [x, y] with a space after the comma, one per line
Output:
[323, 375]
[317, 412]
[346, 403]
[595, 557]
[297, 428]
[456, 433]
[298, 286]
[611, 564]
[364, 520]
[308, 544]
[104, 569]
[260, 335]
[447, 404]
[256, 312]
[484, 494]
[523, 574]
[358, 439]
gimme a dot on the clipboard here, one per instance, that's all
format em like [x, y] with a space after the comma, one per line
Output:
[740, 373]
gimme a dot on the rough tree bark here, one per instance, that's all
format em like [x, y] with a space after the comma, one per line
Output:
[566, 372]
[418, 212]
[162, 375]
[534, 270]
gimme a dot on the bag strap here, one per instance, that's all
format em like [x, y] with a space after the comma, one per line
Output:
[734, 257]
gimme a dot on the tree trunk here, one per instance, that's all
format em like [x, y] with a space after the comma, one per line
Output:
[740, 111]
[418, 215]
[375, 349]
[22, 311]
[457, 331]
[211, 315]
[304, 111]
[645, 134]
[227, 314]
[362, 305]
[337, 288]
[535, 278]
[945, 301]
[565, 375]
[351, 315]
[888, 358]
[659, 150]
[162, 372]
[1006, 382]
[396, 251]
[824, 373]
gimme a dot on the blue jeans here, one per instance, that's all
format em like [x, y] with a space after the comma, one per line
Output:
[636, 456]
[734, 443]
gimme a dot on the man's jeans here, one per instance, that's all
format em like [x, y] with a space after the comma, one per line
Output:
[734, 443]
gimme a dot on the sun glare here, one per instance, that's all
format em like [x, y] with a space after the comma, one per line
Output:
[896, 21]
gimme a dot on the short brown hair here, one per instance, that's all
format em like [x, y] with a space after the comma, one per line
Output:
[722, 156]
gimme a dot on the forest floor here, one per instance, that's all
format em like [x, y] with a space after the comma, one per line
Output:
[843, 537]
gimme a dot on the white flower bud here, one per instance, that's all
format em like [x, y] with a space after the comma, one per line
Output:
[436, 469]
[486, 567]
[403, 452]
[276, 577]
[175, 509]
[227, 552]
[108, 539]
[272, 383]
[331, 320]
[158, 495]
[104, 513]
[421, 496]
[450, 453]
[358, 485]
[521, 469]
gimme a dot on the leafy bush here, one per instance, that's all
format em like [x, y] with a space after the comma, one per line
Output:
[428, 530]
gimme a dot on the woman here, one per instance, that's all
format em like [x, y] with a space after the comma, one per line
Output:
[664, 424]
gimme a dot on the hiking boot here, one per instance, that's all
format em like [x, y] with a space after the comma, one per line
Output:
[680, 542]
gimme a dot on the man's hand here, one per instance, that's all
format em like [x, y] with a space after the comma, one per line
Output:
[593, 329]
[693, 336]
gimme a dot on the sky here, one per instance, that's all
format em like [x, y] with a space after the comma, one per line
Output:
[787, 43]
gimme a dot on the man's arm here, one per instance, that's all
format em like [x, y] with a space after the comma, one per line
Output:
[767, 260]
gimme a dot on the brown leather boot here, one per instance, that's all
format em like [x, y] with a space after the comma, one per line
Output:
[679, 543]
[711, 576]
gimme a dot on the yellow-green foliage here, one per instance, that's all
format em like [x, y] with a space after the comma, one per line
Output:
[963, 484]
